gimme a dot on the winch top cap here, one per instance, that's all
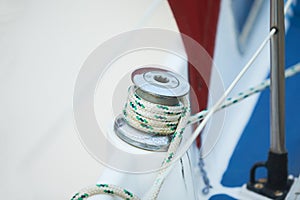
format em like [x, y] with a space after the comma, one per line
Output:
[160, 82]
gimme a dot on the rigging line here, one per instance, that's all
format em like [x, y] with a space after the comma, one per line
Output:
[245, 94]
[287, 5]
[215, 107]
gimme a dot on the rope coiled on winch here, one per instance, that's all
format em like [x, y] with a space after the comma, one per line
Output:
[150, 117]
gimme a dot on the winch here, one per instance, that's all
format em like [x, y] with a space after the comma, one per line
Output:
[153, 109]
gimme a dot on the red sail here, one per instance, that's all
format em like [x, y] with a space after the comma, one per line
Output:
[198, 19]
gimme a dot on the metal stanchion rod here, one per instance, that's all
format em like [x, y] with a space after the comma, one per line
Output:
[277, 184]
[277, 78]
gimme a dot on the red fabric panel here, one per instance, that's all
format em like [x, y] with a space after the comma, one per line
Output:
[198, 19]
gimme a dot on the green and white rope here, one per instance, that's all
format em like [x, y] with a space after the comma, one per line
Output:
[176, 139]
[150, 117]
[291, 71]
[105, 189]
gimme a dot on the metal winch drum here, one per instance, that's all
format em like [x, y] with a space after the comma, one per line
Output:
[157, 86]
